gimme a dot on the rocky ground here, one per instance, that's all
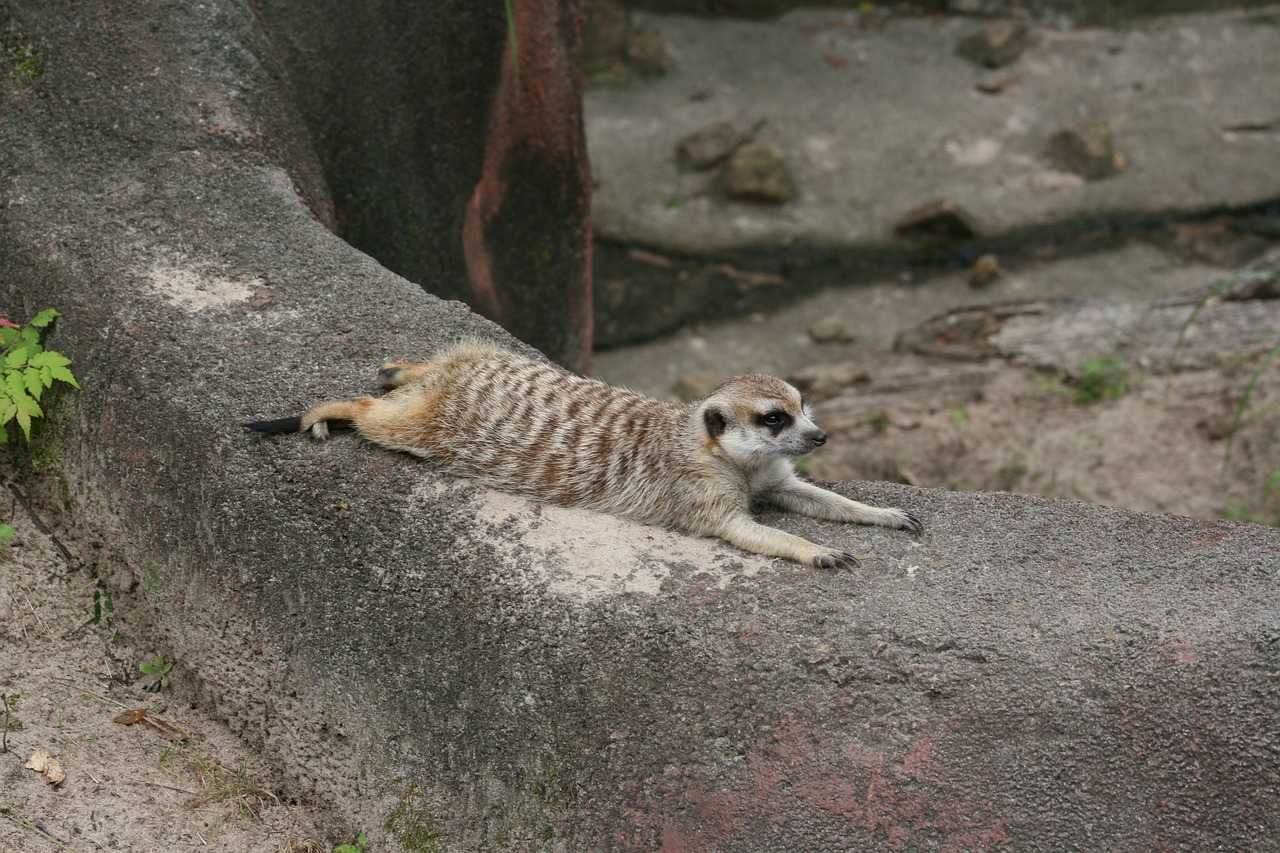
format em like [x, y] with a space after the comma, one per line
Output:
[900, 128]
[1082, 402]
[135, 769]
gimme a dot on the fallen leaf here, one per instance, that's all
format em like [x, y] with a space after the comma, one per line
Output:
[43, 762]
[835, 61]
[165, 728]
[139, 715]
[128, 718]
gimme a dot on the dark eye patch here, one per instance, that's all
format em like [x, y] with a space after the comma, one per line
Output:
[775, 421]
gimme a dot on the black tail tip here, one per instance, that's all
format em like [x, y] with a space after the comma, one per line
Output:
[292, 424]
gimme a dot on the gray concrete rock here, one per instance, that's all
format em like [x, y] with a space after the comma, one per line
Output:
[711, 145]
[1085, 149]
[757, 171]
[606, 26]
[938, 219]
[996, 45]
[446, 665]
[830, 330]
[647, 54]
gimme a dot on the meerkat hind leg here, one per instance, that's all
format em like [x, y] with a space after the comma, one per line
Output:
[804, 498]
[316, 421]
[393, 374]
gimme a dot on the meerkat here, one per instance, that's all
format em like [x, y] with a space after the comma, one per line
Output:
[523, 426]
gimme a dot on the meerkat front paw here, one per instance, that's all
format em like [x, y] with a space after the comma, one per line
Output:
[903, 520]
[835, 560]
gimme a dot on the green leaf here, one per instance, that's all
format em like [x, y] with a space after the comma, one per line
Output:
[64, 375]
[34, 382]
[9, 336]
[7, 531]
[27, 408]
[16, 358]
[44, 318]
[49, 358]
[56, 365]
[14, 384]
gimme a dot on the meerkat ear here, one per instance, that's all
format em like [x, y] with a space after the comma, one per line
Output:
[715, 421]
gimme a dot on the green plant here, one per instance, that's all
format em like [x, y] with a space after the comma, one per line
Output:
[28, 64]
[234, 788]
[160, 668]
[511, 39]
[1101, 378]
[102, 604]
[27, 369]
[878, 421]
[1255, 510]
[413, 824]
[361, 845]
[1248, 279]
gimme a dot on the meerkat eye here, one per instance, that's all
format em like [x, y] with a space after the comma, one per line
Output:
[776, 420]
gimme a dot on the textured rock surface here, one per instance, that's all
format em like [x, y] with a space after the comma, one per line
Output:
[896, 120]
[459, 668]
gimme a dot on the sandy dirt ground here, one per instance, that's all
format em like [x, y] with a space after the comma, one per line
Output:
[137, 770]
[1161, 445]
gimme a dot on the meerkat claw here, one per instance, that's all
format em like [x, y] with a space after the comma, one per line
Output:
[837, 560]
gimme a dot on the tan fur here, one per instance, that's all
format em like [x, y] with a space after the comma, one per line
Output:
[526, 427]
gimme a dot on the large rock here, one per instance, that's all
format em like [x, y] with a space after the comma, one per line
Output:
[452, 668]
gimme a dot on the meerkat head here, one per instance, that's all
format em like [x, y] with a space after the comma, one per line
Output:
[753, 419]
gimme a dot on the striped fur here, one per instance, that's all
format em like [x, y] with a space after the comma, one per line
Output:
[526, 427]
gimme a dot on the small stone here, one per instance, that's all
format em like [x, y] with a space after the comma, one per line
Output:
[605, 27]
[1085, 149]
[939, 219]
[710, 146]
[983, 271]
[695, 386]
[647, 54]
[995, 45]
[831, 330]
[757, 171]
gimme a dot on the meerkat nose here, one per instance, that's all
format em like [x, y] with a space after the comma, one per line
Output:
[819, 438]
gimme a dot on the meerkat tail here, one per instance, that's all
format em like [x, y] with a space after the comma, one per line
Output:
[293, 424]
